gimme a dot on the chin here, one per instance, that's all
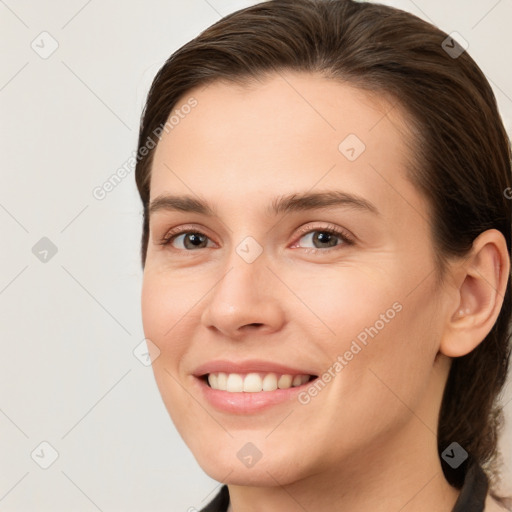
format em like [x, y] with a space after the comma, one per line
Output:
[263, 476]
[227, 465]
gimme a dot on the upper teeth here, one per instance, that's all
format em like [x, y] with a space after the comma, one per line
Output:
[254, 382]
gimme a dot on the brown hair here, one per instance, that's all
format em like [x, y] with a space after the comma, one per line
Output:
[462, 155]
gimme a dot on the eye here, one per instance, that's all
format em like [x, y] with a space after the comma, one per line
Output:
[324, 238]
[191, 239]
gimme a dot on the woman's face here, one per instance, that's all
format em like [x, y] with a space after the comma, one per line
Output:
[256, 290]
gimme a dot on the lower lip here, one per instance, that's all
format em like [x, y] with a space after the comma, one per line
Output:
[246, 402]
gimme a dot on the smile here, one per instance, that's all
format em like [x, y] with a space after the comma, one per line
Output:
[254, 382]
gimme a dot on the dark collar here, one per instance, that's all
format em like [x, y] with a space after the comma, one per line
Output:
[471, 498]
[473, 492]
[219, 503]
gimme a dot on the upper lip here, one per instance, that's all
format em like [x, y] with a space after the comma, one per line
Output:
[248, 366]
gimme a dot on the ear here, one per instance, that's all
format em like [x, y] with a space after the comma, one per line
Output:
[481, 280]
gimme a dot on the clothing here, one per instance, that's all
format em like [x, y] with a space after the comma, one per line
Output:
[471, 499]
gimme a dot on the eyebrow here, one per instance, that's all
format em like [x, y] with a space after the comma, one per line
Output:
[281, 204]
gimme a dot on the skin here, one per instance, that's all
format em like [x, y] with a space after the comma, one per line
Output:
[367, 440]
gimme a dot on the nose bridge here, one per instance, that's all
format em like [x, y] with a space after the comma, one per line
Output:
[244, 294]
[246, 275]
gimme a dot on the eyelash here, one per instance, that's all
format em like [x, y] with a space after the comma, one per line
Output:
[346, 239]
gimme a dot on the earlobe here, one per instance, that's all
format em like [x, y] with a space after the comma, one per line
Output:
[483, 279]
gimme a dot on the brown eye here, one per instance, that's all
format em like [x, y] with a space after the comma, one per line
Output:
[324, 238]
[191, 240]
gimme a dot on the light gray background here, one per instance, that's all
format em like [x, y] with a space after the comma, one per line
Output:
[69, 325]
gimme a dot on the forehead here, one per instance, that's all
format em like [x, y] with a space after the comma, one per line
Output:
[289, 131]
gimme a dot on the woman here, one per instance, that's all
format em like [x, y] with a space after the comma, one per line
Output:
[326, 253]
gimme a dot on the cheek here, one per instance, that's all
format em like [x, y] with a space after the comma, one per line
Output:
[164, 306]
[165, 314]
[380, 330]
[344, 302]
[392, 370]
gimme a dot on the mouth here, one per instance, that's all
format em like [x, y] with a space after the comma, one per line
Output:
[254, 382]
[251, 386]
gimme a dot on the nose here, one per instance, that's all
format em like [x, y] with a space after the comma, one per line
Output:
[245, 299]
